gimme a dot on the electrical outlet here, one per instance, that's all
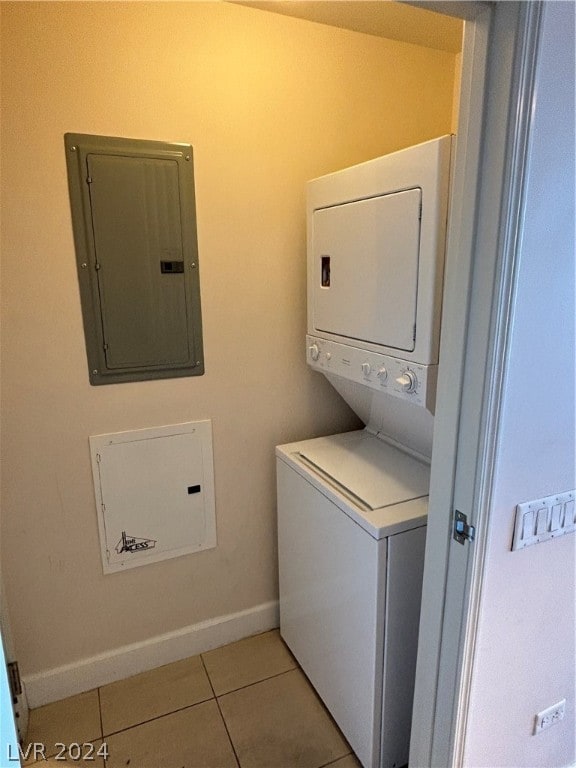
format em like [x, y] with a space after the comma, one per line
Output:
[550, 716]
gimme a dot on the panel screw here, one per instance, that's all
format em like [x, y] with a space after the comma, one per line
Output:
[197, 362]
[84, 265]
[193, 264]
[95, 371]
[187, 157]
[72, 149]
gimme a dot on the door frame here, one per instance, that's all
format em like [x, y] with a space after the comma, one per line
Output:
[500, 44]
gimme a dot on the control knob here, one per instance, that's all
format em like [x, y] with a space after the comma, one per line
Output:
[382, 375]
[407, 382]
[314, 351]
[366, 369]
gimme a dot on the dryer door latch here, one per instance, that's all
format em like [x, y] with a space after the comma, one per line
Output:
[462, 531]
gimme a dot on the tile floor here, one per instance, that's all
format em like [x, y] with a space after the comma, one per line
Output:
[245, 705]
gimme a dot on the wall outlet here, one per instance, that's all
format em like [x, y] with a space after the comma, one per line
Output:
[550, 716]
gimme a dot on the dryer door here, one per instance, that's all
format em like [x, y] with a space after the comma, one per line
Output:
[366, 269]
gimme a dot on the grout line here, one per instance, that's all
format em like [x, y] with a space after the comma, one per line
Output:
[221, 714]
[157, 717]
[263, 680]
[207, 674]
[100, 713]
[104, 758]
[188, 706]
[333, 762]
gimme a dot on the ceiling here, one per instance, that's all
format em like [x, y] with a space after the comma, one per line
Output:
[383, 18]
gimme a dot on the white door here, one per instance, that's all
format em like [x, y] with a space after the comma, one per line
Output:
[358, 293]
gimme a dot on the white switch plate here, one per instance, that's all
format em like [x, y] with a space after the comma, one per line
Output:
[544, 519]
[550, 716]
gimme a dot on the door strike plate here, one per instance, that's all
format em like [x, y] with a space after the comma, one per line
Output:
[462, 531]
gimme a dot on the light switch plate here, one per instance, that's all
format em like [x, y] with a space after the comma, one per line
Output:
[543, 519]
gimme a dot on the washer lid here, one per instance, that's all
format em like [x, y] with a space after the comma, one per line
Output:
[376, 473]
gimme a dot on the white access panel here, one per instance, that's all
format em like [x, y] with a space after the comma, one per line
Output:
[154, 492]
[366, 262]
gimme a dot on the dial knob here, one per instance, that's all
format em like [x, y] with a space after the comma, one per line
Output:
[328, 355]
[314, 351]
[382, 374]
[366, 369]
[408, 381]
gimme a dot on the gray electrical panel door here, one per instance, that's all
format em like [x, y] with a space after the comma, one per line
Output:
[134, 224]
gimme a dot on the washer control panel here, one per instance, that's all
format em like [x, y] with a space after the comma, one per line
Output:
[408, 381]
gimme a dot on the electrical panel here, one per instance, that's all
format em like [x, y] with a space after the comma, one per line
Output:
[134, 220]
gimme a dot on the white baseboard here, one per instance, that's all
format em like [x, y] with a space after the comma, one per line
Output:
[86, 674]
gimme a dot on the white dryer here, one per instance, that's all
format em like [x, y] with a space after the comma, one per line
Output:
[352, 508]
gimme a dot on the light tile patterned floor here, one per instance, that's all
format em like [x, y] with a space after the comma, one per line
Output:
[245, 705]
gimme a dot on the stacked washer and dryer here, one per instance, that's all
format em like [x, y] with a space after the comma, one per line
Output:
[352, 507]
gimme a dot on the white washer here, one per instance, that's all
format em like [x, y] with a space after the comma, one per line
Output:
[351, 535]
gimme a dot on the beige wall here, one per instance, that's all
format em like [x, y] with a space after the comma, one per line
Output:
[267, 102]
